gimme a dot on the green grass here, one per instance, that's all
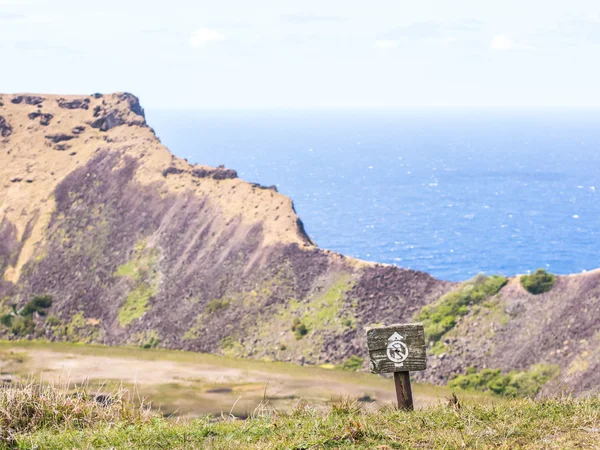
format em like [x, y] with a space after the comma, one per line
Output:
[538, 282]
[141, 272]
[353, 363]
[216, 305]
[441, 317]
[511, 384]
[79, 329]
[276, 368]
[136, 304]
[325, 310]
[45, 418]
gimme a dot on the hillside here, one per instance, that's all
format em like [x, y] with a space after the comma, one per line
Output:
[514, 330]
[137, 247]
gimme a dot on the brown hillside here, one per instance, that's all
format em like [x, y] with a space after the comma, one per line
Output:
[137, 246]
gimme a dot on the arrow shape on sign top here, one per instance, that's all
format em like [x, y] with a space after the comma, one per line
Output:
[395, 337]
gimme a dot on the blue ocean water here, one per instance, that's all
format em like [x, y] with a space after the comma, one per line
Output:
[450, 193]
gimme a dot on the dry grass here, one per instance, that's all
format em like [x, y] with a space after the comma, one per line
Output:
[32, 407]
[45, 417]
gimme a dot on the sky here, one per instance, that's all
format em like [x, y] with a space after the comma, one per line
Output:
[273, 54]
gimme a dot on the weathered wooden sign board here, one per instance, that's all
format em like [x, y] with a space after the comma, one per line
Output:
[398, 349]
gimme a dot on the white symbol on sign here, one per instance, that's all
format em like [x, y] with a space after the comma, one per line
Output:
[397, 351]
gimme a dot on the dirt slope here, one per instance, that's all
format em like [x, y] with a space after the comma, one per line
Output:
[138, 246]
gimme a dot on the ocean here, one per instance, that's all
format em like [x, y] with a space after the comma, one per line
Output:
[452, 193]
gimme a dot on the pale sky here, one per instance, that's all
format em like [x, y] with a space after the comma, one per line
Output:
[241, 54]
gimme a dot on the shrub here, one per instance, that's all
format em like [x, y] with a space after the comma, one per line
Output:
[53, 321]
[21, 322]
[347, 322]
[354, 363]
[538, 282]
[6, 320]
[441, 317]
[228, 342]
[299, 329]
[152, 342]
[215, 306]
[38, 304]
[22, 326]
[511, 384]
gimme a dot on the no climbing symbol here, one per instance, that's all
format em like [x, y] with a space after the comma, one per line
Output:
[397, 351]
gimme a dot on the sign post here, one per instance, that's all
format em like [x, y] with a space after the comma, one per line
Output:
[398, 349]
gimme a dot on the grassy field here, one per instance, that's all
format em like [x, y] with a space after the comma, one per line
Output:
[41, 417]
[187, 384]
[57, 396]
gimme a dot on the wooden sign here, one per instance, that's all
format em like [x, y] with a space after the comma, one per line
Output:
[399, 349]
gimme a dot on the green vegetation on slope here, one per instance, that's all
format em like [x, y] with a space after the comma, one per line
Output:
[538, 282]
[44, 418]
[511, 384]
[216, 305]
[20, 322]
[441, 317]
[299, 329]
[353, 363]
[79, 329]
[141, 271]
[136, 304]
[146, 339]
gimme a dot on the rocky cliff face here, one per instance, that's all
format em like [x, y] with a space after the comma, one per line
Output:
[136, 246]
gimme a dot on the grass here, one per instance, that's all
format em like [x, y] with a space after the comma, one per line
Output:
[511, 384]
[136, 304]
[79, 329]
[43, 417]
[141, 272]
[442, 316]
[195, 373]
[325, 310]
[216, 305]
[30, 408]
[353, 363]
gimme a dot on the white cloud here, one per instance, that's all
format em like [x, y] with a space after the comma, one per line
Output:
[40, 19]
[386, 43]
[203, 36]
[593, 17]
[502, 42]
[19, 18]
[449, 41]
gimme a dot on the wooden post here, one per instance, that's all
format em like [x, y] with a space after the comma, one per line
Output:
[403, 391]
[399, 349]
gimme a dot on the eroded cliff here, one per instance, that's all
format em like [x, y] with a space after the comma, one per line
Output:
[136, 246]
